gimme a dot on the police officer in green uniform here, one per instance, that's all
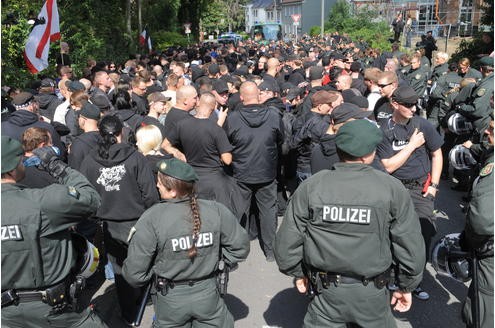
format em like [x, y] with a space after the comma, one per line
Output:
[177, 244]
[478, 237]
[476, 107]
[440, 92]
[338, 239]
[38, 258]
[417, 76]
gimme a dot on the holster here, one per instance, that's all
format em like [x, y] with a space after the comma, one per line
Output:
[161, 285]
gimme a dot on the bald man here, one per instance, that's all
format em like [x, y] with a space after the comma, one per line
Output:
[256, 132]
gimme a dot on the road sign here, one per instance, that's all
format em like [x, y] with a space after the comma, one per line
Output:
[187, 28]
[295, 19]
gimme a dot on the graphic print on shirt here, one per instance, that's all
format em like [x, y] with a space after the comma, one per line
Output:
[398, 145]
[111, 176]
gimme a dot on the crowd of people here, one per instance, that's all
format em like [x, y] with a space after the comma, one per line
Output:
[173, 161]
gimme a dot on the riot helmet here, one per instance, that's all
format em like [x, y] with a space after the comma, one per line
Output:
[449, 260]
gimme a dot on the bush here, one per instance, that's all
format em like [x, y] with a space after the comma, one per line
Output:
[163, 40]
[315, 30]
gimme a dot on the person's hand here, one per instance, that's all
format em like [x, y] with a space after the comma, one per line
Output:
[431, 191]
[401, 300]
[301, 284]
[417, 139]
[50, 162]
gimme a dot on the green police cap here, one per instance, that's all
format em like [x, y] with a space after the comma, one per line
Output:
[11, 154]
[486, 61]
[358, 138]
[177, 169]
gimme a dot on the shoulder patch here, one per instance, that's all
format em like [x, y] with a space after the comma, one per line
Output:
[73, 192]
[481, 92]
[418, 76]
[486, 170]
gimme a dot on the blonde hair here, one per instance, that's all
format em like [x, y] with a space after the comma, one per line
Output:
[149, 139]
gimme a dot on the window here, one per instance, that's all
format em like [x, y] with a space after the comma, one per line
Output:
[255, 13]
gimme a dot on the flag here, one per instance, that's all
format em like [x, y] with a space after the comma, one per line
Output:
[45, 31]
[144, 39]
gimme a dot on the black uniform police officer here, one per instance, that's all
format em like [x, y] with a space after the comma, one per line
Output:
[179, 241]
[343, 237]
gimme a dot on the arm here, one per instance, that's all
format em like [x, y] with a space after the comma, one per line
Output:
[234, 240]
[436, 170]
[167, 146]
[146, 182]
[222, 116]
[137, 266]
[393, 163]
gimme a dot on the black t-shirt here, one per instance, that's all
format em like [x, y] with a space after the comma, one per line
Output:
[173, 117]
[150, 120]
[383, 110]
[396, 137]
[202, 142]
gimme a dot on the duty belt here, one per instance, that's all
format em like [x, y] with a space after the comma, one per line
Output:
[324, 279]
[54, 295]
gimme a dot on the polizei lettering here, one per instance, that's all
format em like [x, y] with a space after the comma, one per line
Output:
[11, 232]
[346, 214]
[205, 239]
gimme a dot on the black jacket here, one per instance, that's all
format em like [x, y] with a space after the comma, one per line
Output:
[48, 104]
[255, 132]
[124, 181]
[81, 146]
[21, 120]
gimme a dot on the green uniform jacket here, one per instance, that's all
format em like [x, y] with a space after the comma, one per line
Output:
[477, 108]
[36, 244]
[417, 79]
[439, 70]
[479, 223]
[163, 237]
[351, 220]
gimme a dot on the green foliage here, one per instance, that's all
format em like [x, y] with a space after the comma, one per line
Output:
[358, 25]
[165, 39]
[315, 30]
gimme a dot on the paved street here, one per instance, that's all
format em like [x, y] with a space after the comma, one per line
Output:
[260, 296]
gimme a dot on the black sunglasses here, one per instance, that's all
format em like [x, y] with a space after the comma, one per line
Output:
[384, 85]
[408, 105]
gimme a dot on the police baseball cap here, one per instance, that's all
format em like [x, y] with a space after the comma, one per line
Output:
[22, 98]
[316, 73]
[323, 97]
[358, 138]
[90, 111]
[346, 111]
[157, 97]
[405, 95]
[177, 169]
[11, 154]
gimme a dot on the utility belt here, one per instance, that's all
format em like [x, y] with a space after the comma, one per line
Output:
[62, 296]
[163, 285]
[322, 280]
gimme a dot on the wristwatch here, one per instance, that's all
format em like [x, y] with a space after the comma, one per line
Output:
[434, 185]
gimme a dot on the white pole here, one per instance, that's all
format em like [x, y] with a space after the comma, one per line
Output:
[322, 17]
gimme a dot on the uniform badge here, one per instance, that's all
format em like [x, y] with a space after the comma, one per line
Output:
[163, 166]
[418, 76]
[481, 92]
[486, 170]
[73, 192]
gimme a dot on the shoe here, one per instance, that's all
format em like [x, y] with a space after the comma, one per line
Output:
[392, 287]
[419, 293]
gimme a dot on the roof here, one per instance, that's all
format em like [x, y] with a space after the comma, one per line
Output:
[261, 3]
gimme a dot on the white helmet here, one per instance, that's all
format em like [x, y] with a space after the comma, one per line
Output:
[461, 158]
[459, 125]
[88, 256]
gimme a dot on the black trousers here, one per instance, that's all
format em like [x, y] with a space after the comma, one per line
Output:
[265, 200]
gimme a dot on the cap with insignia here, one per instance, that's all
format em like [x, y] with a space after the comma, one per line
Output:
[358, 138]
[177, 169]
[11, 154]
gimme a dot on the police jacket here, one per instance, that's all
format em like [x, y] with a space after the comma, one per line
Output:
[163, 236]
[439, 71]
[37, 250]
[335, 223]
[255, 132]
[479, 224]
[477, 107]
[124, 181]
[417, 79]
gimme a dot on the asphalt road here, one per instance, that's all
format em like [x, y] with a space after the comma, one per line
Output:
[260, 296]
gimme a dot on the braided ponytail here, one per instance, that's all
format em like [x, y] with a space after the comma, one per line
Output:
[110, 127]
[193, 251]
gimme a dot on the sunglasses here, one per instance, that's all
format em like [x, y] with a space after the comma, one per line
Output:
[408, 105]
[384, 85]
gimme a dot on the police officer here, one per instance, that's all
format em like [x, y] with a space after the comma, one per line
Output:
[410, 151]
[478, 237]
[179, 242]
[341, 237]
[417, 76]
[38, 257]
